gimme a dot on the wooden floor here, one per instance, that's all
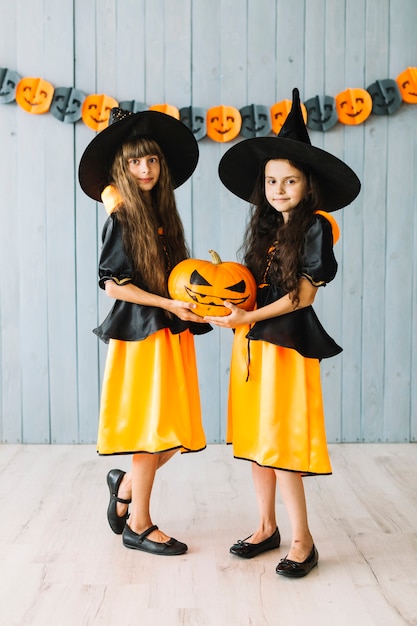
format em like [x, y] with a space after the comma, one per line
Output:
[61, 565]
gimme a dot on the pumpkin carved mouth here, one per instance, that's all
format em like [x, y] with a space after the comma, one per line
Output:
[213, 300]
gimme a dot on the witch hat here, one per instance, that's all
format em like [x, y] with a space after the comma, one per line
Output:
[240, 165]
[176, 141]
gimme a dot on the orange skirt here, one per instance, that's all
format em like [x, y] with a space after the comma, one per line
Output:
[275, 411]
[150, 397]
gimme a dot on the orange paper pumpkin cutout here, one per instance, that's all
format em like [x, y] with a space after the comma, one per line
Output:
[208, 284]
[96, 109]
[279, 113]
[353, 106]
[168, 109]
[223, 123]
[407, 82]
[34, 95]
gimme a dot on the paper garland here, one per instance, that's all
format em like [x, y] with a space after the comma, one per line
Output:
[220, 123]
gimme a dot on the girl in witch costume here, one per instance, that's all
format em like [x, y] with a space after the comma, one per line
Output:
[275, 413]
[150, 404]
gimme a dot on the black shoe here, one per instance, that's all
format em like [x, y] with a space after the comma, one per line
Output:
[117, 522]
[249, 550]
[139, 542]
[292, 569]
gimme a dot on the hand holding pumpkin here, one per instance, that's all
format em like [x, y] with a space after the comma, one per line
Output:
[234, 318]
[184, 310]
[209, 284]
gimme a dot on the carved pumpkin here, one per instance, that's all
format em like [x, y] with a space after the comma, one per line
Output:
[255, 121]
[223, 123]
[279, 113]
[386, 97]
[353, 106]
[194, 118]
[407, 82]
[168, 109]
[8, 82]
[96, 110]
[34, 95]
[209, 283]
[66, 104]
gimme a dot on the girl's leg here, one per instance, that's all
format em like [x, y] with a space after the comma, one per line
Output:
[137, 485]
[292, 493]
[264, 481]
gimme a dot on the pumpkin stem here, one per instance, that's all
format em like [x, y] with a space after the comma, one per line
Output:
[215, 258]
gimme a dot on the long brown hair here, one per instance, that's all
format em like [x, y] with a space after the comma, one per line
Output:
[267, 233]
[152, 256]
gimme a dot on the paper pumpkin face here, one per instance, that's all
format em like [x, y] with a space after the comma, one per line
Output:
[168, 109]
[353, 106]
[223, 123]
[407, 82]
[208, 284]
[386, 97]
[66, 104]
[8, 82]
[34, 95]
[194, 118]
[321, 113]
[133, 106]
[255, 121]
[279, 113]
[95, 110]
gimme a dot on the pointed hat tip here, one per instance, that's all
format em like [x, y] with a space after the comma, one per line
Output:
[294, 126]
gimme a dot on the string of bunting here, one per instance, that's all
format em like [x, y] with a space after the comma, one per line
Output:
[220, 123]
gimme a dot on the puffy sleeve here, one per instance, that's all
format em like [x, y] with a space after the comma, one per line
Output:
[114, 263]
[319, 264]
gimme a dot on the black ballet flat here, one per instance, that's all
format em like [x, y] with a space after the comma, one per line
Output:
[117, 522]
[137, 541]
[292, 569]
[248, 550]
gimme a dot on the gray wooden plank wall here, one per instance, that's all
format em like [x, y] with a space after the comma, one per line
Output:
[194, 52]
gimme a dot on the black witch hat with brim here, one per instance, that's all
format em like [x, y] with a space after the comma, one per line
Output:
[240, 166]
[176, 141]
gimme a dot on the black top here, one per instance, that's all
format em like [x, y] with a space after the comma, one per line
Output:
[127, 321]
[301, 329]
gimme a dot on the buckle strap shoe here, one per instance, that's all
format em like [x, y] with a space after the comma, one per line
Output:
[137, 541]
[248, 550]
[116, 522]
[293, 569]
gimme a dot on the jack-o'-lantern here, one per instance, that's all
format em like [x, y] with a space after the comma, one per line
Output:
[407, 82]
[194, 118]
[95, 110]
[255, 121]
[279, 113]
[386, 97]
[134, 106]
[353, 106]
[321, 113]
[223, 123]
[168, 109]
[208, 284]
[34, 95]
[8, 82]
[66, 104]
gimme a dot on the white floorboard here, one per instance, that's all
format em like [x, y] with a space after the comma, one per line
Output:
[61, 565]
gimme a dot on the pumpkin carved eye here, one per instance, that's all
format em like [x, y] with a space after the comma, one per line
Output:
[197, 279]
[238, 288]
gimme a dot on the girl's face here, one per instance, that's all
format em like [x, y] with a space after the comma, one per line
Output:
[285, 186]
[145, 170]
